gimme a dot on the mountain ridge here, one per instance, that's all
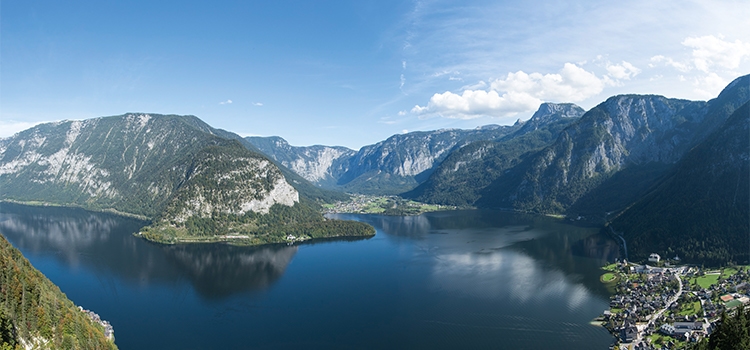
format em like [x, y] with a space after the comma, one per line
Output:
[399, 163]
[175, 170]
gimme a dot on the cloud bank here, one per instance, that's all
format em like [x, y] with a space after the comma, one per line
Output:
[711, 60]
[521, 92]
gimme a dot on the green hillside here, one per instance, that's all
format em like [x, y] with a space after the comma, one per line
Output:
[34, 311]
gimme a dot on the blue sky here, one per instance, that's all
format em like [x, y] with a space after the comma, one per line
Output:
[353, 73]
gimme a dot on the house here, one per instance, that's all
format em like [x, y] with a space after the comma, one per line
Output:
[654, 258]
[629, 333]
[682, 327]
[667, 329]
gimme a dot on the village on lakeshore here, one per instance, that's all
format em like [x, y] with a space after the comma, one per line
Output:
[662, 305]
[386, 205]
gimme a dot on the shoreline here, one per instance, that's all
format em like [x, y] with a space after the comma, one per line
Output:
[232, 239]
[74, 206]
[246, 240]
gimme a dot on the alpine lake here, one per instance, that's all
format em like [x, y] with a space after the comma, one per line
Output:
[441, 280]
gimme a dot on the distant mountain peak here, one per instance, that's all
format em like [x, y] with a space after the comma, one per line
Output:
[549, 112]
[563, 110]
[743, 81]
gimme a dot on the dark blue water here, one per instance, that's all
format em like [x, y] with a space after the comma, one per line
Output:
[464, 279]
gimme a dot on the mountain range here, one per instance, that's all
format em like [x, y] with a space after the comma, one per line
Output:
[604, 165]
[619, 163]
[392, 166]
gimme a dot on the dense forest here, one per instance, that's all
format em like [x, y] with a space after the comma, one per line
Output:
[700, 211]
[34, 311]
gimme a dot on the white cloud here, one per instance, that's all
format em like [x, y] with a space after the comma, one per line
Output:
[680, 66]
[402, 113]
[476, 103]
[227, 102]
[710, 64]
[517, 92]
[711, 51]
[404, 131]
[623, 71]
[480, 85]
[257, 104]
[10, 127]
[710, 85]
[708, 52]
[572, 84]
[403, 81]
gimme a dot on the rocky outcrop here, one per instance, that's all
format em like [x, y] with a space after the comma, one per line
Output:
[141, 164]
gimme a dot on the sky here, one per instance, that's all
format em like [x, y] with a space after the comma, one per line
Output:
[353, 73]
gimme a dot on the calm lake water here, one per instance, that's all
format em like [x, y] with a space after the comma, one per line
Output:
[462, 279]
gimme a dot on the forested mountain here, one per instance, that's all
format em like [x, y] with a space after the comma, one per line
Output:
[700, 211]
[34, 313]
[612, 155]
[623, 131]
[401, 162]
[463, 177]
[173, 169]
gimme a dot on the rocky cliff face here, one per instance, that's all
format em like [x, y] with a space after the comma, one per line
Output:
[321, 165]
[630, 132]
[622, 131]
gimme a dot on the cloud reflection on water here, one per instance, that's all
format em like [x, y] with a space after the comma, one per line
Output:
[500, 255]
[506, 275]
[105, 243]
